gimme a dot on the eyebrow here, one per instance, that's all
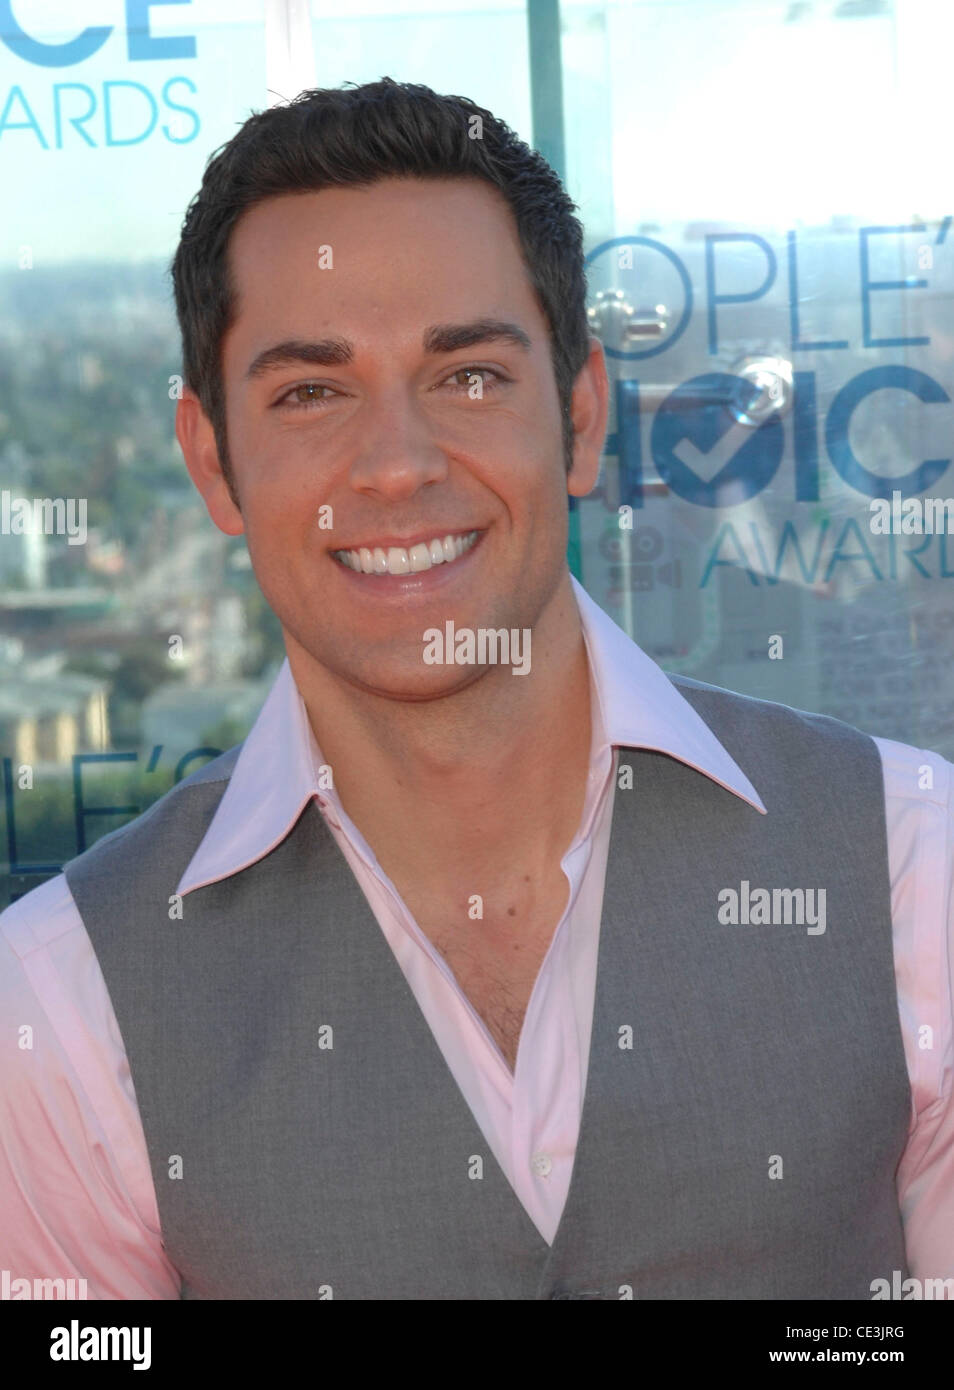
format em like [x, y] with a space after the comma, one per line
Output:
[439, 338]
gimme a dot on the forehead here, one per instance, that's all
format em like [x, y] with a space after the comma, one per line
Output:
[378, 254]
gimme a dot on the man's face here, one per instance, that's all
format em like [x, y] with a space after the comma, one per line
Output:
[389, 438]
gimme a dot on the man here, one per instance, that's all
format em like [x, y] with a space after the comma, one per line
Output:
[428, 989]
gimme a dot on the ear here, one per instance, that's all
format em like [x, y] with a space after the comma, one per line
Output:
[197, 442]
[589, 409]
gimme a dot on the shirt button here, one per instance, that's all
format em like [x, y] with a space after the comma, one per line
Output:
[541, 1164]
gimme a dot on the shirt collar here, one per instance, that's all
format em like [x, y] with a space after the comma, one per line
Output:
[278, 767]
[641, 708]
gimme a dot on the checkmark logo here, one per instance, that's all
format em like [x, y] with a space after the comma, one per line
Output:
[704, 453]
[709, 463]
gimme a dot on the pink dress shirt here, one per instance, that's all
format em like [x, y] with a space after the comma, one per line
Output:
[76, 1193]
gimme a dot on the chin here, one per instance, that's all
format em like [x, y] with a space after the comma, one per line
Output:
[420, 685]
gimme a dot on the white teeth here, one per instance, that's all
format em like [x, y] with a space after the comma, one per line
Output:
[419, 557]
[398, 560]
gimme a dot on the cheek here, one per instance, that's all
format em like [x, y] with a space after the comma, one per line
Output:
[280, 529]
[284, 492]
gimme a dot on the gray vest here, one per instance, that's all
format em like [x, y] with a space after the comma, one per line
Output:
[740, 1143]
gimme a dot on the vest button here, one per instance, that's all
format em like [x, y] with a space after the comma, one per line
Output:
[541, 1165]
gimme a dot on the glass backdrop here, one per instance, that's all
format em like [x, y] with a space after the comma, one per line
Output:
[132, 637]
[772, 274]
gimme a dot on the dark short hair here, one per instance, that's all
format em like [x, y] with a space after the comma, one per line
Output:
[331, 137]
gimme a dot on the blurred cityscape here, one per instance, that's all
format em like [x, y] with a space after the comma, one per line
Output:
[87, 665]
[86, 354]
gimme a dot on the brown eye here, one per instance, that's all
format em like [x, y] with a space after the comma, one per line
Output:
[304, 396]
[468, 373]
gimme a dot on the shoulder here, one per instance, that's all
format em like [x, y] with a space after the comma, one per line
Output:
[916, 776]
[745, 715]
[36, 920]
[918, 783]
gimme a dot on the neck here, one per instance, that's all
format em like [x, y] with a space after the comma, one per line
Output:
[494, 774]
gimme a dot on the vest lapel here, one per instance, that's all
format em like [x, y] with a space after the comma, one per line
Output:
[378, 968]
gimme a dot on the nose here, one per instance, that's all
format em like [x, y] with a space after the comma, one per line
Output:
[398, 454]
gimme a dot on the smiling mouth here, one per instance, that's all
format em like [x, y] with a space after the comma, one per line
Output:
[397, 559]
